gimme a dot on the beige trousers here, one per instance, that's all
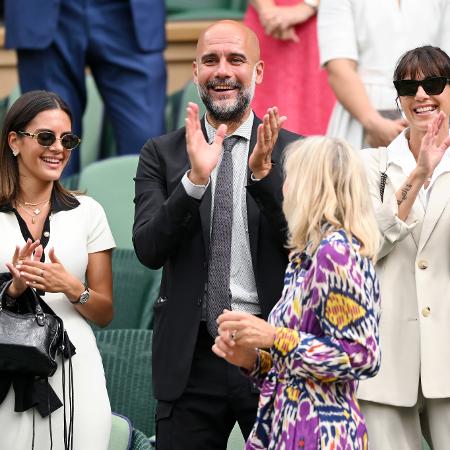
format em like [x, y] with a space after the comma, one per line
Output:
[399, 428]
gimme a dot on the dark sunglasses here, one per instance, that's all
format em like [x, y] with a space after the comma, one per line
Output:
[432, 86]
[47, 138]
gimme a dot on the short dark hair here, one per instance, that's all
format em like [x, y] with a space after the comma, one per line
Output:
[21, 113]
[426, 61]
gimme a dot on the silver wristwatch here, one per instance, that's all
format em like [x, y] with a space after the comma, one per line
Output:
[84, 297]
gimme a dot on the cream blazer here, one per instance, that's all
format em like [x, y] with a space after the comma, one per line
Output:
[414, 272]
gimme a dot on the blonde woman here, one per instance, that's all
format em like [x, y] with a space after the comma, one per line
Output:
[322, 336]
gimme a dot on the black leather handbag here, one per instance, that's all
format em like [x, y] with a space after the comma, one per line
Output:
[29, 342]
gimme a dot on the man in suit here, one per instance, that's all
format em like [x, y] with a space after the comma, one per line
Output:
[122, 42]
[179, 215]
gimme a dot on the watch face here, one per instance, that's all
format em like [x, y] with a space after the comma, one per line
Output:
[84, 297]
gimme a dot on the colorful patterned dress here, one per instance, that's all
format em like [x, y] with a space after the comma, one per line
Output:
[326, 340]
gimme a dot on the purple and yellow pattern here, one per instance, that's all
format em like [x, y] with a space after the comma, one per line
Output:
[326, 340]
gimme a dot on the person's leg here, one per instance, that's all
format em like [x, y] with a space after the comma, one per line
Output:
[201, 418]
[435, 421]
[392, 427]
[60, 68]
[131, 82]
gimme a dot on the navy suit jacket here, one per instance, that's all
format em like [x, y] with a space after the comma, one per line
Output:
[172, 230]
[32, 24]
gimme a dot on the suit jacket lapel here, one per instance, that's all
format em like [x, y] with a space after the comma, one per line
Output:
[205, 205]
[396, 177]
[437, 202]
[252, 208]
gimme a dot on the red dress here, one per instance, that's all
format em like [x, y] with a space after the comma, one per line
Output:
[293, 79]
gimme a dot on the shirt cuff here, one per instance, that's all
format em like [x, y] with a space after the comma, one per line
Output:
[196, 191]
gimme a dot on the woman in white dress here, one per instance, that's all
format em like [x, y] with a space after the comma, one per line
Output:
[60, 244]
[360, 42]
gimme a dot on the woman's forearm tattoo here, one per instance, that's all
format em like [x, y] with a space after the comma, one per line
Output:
[404, 192]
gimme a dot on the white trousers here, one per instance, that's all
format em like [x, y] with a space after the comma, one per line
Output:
[400, 428]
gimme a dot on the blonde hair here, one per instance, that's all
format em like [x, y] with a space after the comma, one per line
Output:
[326, 188]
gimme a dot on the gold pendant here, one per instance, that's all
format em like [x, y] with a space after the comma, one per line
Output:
[33, 220]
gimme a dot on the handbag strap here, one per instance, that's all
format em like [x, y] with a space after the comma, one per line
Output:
[382, 164]
[67, 350]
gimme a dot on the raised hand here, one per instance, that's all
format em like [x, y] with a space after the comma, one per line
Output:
[30, 251]
[260, 161]
[49, 277]
[202, 156]
[431, 150]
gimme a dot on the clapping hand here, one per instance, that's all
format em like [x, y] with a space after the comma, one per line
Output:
[49, 276]
[260, 161]
[202, 156]
[431, 151]
[31, 251]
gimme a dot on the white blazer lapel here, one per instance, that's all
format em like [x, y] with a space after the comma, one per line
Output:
[439, 197]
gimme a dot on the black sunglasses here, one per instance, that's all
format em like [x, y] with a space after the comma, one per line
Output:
[432, 86]
[47, 138]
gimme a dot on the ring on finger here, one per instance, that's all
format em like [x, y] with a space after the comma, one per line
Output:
[234, 335]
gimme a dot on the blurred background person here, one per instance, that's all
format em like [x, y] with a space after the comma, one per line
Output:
[322, 335]
[71, 268]
[122, 42]
[360, 41]
[293, 79]
[410, 185]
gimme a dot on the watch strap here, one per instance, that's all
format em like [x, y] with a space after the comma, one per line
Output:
[86, 290]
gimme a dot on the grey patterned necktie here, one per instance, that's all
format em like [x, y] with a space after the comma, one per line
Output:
[218, 290]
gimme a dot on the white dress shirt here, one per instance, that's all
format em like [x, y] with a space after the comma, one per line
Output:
[244, 296]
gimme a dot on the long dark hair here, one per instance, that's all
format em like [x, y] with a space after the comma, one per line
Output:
[426, 61]
[21, 113]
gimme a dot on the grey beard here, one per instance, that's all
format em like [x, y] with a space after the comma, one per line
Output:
[232, 113]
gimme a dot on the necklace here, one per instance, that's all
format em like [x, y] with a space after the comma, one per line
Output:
[34, 212]
[44, 202]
